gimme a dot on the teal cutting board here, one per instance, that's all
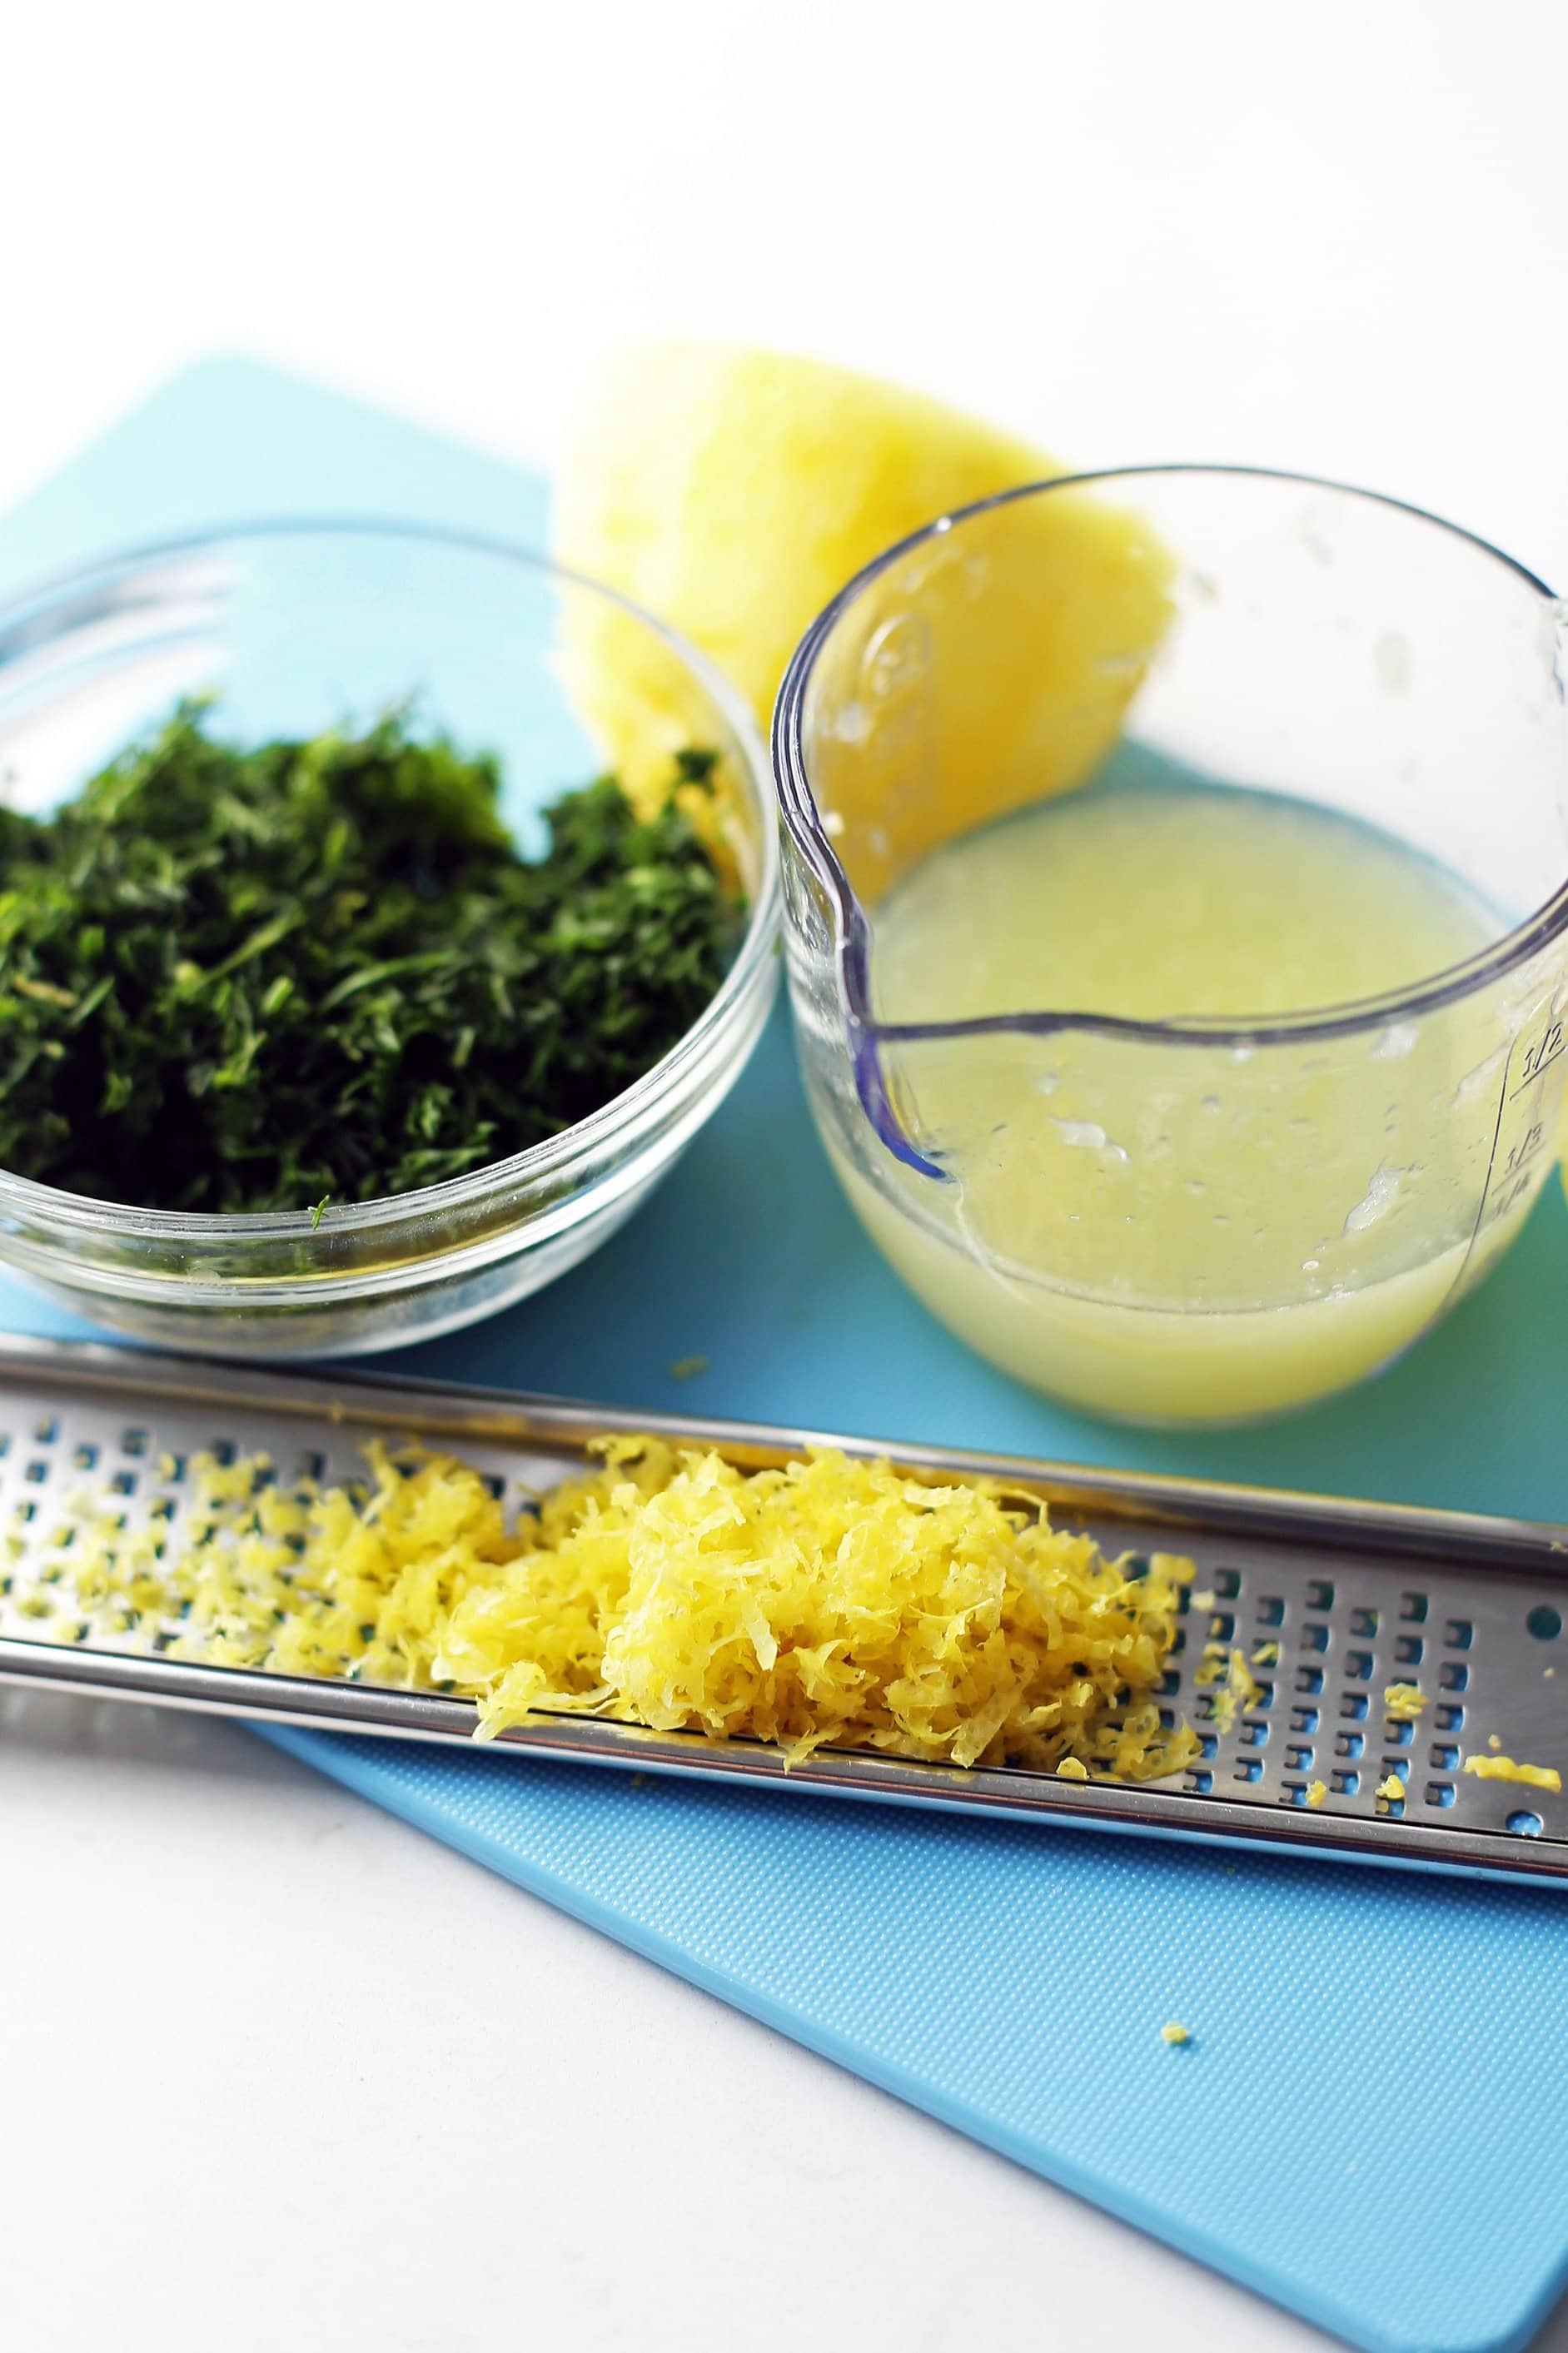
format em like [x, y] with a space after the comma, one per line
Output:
[1369, 2125]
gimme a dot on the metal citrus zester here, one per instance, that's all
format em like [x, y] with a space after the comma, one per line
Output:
[1352, 1596]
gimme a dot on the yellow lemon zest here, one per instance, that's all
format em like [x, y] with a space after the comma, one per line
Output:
[829, 1601]
[1503, 1769]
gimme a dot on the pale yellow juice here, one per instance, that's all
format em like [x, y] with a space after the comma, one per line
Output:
[1195, 1231]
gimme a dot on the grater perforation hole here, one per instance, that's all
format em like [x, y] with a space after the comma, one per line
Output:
[1199, 1782]
[1359, 1666]
[1255, 1735]
[1308, 1678]
[1544, 1622]
[1413, 1609]
[1345, 1782]
[1438, 1793]
[1399, 1736]
[172, 1469]
[1271, 1610]
[1295, 1792]
[1524, 1823]
[1298, 1759]
[1178, 1643]
[1207, 1743]
[133, 1442]
[1349, 1744]
[123, 1483]
[1363, 1622]
[1454, 1675]
[1447, 1719]
[1169, 1682]
[1319, 1594]
[1458, 1633]
[1221, 1626]
[35, 1474]
[46, 1430]
[1228, 1583]
[1249, 1770]
[1444, 1757]
[1353, 1705]
[1314, 1638]
[222, 1452]
[1409, 1650]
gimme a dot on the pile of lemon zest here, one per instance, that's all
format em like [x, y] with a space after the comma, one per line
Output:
[1494, 1740]
[1204, 1600]
[829, 1601]
[1316, 1792]
[1402, 1702]
[1265, 1655]
[1174, 2035]
[1503, 1769]
[1071, 1770]
[1390, 1788]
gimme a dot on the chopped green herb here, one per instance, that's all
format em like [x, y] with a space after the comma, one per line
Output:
[319, 972]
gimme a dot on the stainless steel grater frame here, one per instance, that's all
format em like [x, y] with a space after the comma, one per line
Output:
[1355, 1595]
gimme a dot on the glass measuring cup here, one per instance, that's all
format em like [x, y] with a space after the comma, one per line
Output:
[1186, 1218]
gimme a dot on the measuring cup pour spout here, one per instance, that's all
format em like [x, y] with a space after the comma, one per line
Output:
[1160, 1214]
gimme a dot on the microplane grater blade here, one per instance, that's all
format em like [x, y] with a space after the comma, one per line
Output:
[1323, 1635]
[1352, 1600]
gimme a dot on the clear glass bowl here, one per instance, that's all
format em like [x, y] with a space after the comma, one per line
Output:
[295, 627]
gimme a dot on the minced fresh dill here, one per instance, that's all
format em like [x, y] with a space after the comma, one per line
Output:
[275, 978]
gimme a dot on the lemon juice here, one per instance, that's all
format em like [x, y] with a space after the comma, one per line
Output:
[1216, 1228]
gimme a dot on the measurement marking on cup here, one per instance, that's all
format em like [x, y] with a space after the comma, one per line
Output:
[1507, 1199]
[1514, 1177]
[1525, 1138]
[1525, 1150]
[1548, 1047]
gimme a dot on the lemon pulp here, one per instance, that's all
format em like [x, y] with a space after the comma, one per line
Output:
[1168, 1230]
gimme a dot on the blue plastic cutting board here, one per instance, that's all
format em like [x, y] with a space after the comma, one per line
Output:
[1368, 2124]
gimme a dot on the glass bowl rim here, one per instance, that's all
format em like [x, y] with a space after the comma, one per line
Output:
[799, 812]
[554, 1156]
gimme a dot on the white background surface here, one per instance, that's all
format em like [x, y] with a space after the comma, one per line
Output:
[275, 2069]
